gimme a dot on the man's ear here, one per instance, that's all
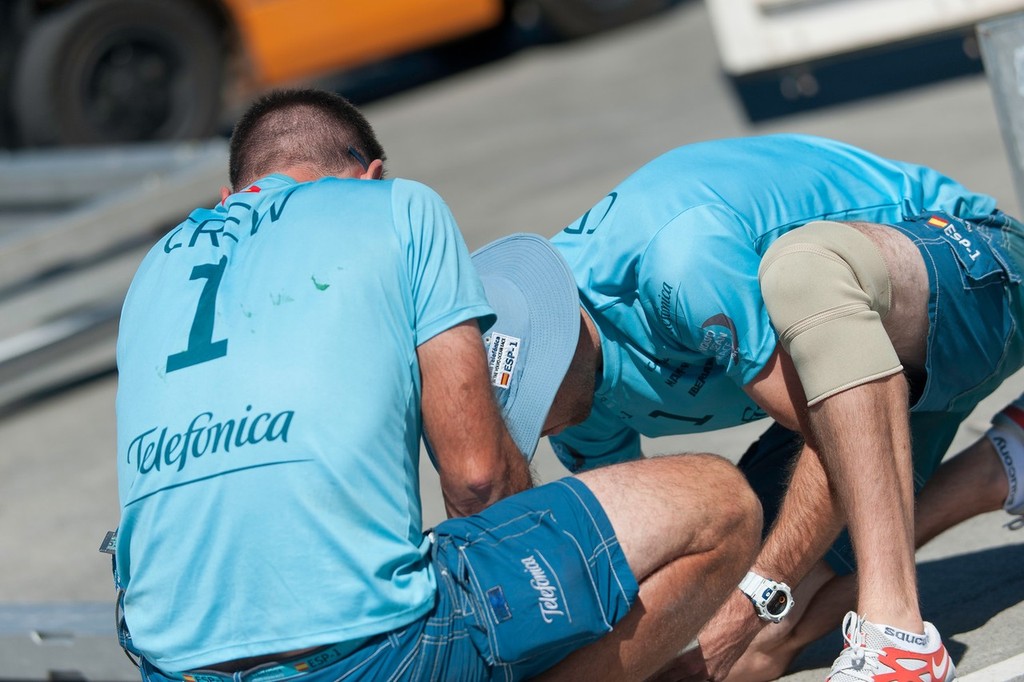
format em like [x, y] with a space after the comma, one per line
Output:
[374, 171]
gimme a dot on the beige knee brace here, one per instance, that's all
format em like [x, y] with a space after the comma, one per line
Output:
[827, 291]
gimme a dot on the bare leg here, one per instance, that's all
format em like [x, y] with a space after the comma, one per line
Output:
[864, 439]
[690, 527]
[971, 483]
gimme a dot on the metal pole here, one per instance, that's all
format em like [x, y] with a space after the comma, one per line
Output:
[1002, 51]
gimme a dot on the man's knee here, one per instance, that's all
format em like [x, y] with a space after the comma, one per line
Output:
[827, 290]
[693, 502]
[733, 493]
[721, 488]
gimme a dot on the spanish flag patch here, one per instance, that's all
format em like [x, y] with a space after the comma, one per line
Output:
[936, 221]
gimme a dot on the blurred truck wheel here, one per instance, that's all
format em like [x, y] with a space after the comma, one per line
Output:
[578, 18]
[110, 71]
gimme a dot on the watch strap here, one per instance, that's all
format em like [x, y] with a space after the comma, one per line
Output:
[751, 582]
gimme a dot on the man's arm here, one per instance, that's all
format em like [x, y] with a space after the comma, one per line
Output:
[807, 524]
[477, 460]
[808, 520]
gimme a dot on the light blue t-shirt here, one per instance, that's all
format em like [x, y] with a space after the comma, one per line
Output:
[268, 417]
[667, 266]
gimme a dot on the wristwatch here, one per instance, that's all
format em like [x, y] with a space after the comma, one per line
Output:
[772, 600]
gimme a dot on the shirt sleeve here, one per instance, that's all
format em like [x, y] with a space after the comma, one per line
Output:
[445, 287]
[698, 284]
[589, 446]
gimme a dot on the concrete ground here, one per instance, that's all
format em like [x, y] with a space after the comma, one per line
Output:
[526, 143]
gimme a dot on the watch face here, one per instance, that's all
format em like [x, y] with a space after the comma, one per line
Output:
[777, 605]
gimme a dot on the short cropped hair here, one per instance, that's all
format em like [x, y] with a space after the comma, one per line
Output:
[309, 128]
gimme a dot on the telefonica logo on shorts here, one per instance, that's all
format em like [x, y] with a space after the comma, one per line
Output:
[547, 593]
[205, 434]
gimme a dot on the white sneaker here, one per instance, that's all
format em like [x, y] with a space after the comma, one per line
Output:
[872, 655]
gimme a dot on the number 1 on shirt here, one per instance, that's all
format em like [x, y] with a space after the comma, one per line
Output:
[201, 346]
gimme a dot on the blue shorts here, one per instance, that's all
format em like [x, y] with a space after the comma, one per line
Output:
[975, 341]
[521, 585]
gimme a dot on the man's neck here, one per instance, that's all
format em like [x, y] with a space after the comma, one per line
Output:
[590, 340]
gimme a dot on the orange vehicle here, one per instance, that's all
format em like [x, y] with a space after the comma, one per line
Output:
[102, 71]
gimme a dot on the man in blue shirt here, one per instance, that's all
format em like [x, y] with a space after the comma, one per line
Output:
[807, 280]
[280, 356]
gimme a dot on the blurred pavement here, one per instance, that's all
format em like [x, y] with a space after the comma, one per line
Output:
[528, 143]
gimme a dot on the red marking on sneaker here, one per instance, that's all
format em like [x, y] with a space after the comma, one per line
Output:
[1016, 414]
[936, 666]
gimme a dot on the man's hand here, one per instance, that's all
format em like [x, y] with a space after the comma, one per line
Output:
[728, 634]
